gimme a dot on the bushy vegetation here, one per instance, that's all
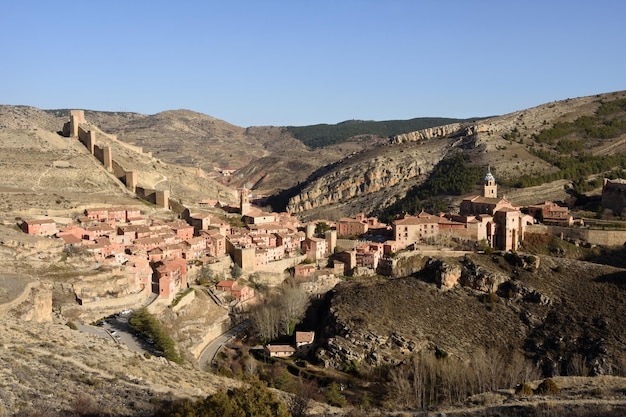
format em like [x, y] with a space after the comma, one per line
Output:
[317, 136]
[253, 400]
[576, 168]
[452, 176]
[567, 142]
[547, 387]
[150, 328]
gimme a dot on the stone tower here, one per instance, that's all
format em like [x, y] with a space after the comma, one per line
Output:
[244, 201]
[490, 188]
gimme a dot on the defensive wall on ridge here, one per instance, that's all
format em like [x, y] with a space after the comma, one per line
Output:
[104, 154]
[593, 236]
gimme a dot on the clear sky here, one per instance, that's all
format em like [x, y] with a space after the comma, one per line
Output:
[298, 62]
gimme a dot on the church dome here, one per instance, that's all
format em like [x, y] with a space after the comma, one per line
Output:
[489, 176]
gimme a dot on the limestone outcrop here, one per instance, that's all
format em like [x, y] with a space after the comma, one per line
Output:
[453, 129]
[381, 170]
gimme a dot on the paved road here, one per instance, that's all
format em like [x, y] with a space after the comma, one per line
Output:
[122, 329]
[209, 353]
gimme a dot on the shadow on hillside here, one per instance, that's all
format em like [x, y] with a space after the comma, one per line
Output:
[617, 278]
[609, 256]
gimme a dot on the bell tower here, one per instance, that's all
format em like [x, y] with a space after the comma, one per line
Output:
[244, 200]
[490, 188]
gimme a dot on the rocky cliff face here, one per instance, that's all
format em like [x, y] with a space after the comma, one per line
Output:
[499, 303]
[388, 169]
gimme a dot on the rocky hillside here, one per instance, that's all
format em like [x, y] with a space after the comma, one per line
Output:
[49, 369]
[564, 315]
[507, 143]
[269, 158]
[44, 172]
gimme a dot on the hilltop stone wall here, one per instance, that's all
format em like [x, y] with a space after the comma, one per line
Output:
[592, 236]
[104, 154]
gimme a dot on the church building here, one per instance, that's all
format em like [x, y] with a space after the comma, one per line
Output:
[496, 220]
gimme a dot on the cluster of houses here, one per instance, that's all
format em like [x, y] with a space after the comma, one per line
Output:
[152, 254]
[303, 343]
[158, 254]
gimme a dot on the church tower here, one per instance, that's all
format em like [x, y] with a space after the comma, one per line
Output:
[244, 201]
[490, 188]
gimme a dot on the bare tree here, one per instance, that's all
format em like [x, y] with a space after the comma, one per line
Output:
[294, 302]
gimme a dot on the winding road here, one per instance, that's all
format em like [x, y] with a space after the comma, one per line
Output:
[209, 353]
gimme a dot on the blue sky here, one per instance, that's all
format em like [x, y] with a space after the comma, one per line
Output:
[296, 62]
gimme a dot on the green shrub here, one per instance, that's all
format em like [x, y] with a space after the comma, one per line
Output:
[149, 327]
[71, 325]
[253, 400]
[334, 396]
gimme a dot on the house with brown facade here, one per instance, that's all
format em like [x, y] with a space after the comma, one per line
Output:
[232, 288]
[314, 248]
[551, 213]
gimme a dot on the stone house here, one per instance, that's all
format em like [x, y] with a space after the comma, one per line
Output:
[240, 292]
[304, 270]
[171, 277]
[551, 213]
[314, 248]
[409, 230]
[44, 227]
[304, 342]
[279, 351]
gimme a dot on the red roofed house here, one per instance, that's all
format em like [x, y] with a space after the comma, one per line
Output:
[304, 342]
[413, 229]
[279, 351]
[242, 293]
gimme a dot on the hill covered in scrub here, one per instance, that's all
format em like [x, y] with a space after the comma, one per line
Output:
[317, 136]
[553, 148]
[506, 319]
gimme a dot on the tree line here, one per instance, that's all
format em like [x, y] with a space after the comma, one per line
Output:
[320, 135]
[452, 176]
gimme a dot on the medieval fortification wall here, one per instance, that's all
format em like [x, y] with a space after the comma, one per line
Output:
[104, 154]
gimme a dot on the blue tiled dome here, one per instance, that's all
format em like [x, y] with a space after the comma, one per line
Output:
[489, 176]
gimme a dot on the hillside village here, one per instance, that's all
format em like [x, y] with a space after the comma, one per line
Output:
[153, 252]
[158, 259]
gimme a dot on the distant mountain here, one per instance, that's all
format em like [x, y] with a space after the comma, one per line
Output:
[320, 135]
[267, 158]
